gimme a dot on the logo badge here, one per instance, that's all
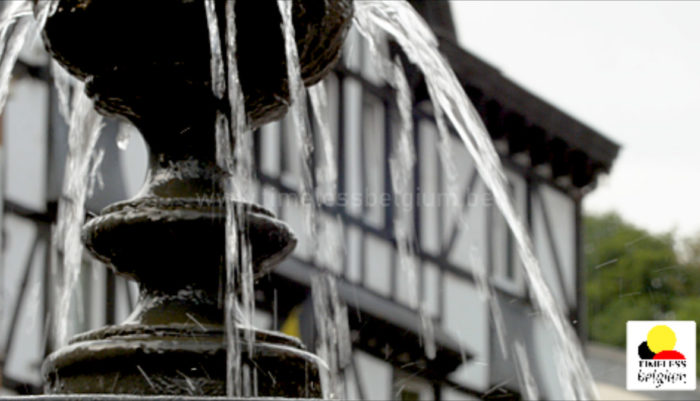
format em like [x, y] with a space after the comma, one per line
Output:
[661, 355]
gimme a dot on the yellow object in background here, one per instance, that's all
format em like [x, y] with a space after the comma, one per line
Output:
[290, 326]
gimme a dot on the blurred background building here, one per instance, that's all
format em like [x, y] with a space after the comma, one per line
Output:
[552, 161]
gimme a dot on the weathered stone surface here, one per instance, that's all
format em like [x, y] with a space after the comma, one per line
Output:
[149, 62]
[152, 58]
[178, 360]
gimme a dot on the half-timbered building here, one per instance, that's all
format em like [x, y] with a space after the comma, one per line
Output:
[551, 160]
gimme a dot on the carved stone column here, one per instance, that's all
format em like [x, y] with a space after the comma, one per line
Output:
[149, 62]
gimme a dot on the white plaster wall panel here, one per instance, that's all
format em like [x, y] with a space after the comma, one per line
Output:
[471, 247]
[536, 338]
[373, 148]
[468, 216]
[291, 167]
[333, 116]
[271, 199]
[408, 280]
[133, 290]
[499, 243]
[431, 289]
[547, 360]
[255, 192]
[330, 116]
[24, 143]
[351, 385]
[331, 243]
[21, 363]
[378, 257]
[503, 246]
[562, 217]
[464, 168]
[294, 214]
[467, 320]
[375, 376]
[264, 320]
[28, 346]
[134, 164]
[543, 251]
[370, 70]
[95, 277]
[269, 137]
[400, 200]
[19, 234]
[352, 50]
[88, 315]
[123, 310]
[352, 149]
[88, 302]
[429, 170]
[353, 253]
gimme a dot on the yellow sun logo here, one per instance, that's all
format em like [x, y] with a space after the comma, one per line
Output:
[661, 338]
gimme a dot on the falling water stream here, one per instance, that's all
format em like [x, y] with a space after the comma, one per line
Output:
[18, 25]
[16, 29]
[326, 173]
[233, 154]
[85, 127]
[297, 98]
[375, 20]
[330, 316]
[401, 22]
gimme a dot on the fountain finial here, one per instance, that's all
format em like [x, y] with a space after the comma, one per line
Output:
[150, 63]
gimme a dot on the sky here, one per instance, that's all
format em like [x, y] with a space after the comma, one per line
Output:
[630, 70]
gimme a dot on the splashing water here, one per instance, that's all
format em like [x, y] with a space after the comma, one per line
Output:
[13, 43]
[43, 9]
[234, 156]
[402, 162]
[400, 21]
[446, 157]
[218, 75]
[224, 158]
[94, 176]
[242, 173]
[297, 97]
[18, 25]
[65, 85]
[487, 293]
[374, 19]
[334, 345]
[522, 369]
[326, 172]
[9, 50]
[13, 11]
[85, 127]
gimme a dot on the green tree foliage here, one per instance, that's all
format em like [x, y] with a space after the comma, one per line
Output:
[632, 274]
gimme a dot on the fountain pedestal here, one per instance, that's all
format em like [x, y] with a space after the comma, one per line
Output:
[150, 63]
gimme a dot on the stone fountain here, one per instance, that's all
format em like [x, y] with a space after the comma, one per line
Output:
[149, 62]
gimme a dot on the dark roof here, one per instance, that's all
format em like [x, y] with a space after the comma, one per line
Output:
[525, 123]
